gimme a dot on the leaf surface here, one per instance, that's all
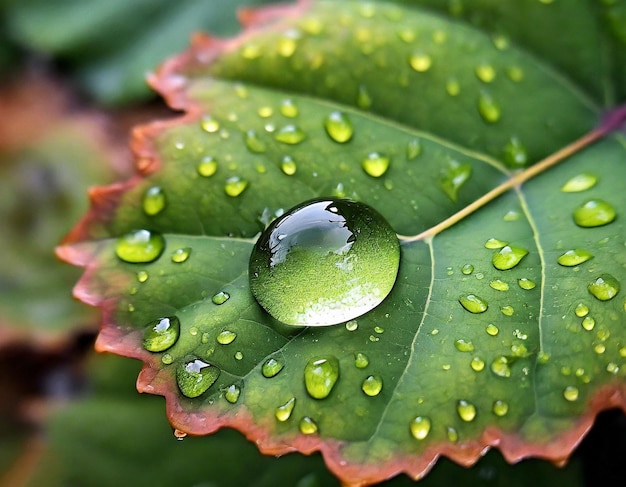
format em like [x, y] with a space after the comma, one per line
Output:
[526, 373]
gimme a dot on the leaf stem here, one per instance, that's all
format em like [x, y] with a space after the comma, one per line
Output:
[515, 181]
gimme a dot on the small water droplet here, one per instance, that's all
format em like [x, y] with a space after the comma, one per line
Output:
[339, 127]
[209, 124]
[515, 73]
[453, 87]
[580, 182]
[507, 310]
[238, 355]
[455, 176]
[511, 216]
[375, 164]
[287, 44]
[226, 337]
[492, 329]
[420, 427]
[501, 366]
[600, 348]
[253, 142]
[308, 426]
[452, 434]
[604, 287]
[363, 99]
[352, 325]
[232, 393]
[588, 323]
[265, 112]
[494, 243]
[360, 360]
[477, 364]
[526, 284]
[167, 359]
[406, 35]
[142, 276]
[154, 201]
[570, 393]
[271, 367]
[283, 412]
[420, 61]
[612, 368]
[413, 149]
[515, 153]
[473, 304]
[161, 334]
[372, 385]
[140, 246]
[574, 257]
[290, 134]
[581, 310]
[220, 298]
[499, 285]
[508, 257]
[288, 108]
[194, 377]
[235, 186]
[485, 73]
[466, 410]
[594, 213]
[488, 108]
[288, 166]
[463, 345]
[181, 255]
[207, 167]
[500, 408]
[320, 376]
[467, 269]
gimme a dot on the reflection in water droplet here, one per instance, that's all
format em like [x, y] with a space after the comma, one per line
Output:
[194, 377]
[181, 255]
[420, 61]
[320, 376]
[288, 108]
[352, 325]
[140, 246]
[604, 287]
[581, 310]
[501, 366]
[207, 167]
[307, 426]
[226, 337]
[363, 99]
[271, 367]
[477, 364]
[232, 393]
[455, 176]
[283, 412]
[360, 360]
[463, 345]
[339, 127]
[253, 142]
[574, 257]
[235, 186]
[570, 393]
[372, 385]
[594, 213]
[485, 73]
[492, 329]
[290, 134]
[420, 427]
[220, 298]
[467, 269]
[488, 109]
[499, 285]
[466, 410]
[508, 257]
[161, 334]
[500, 408]
[526, 284]
[515, 153]
[580, 182]
[473, 303]
[154, 201]
[375, 164]
[345, 248]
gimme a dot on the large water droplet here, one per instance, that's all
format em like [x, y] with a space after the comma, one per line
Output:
[324, 262]
[283, 412]
[140, 246]
[594, 213]
[375, 164]
[466, 410]
[271, 367]
[207, 167]
[501, 366]
[339, 127]
[473, 304]
[455, 176]
[488, 108]
[290, 134]
[181, 255]
[153, 201]
[372, 385]
[508, 257]
[580, 182]
[161, 334]
[420, 427]
[320, 376]
[507, 310]
[574, 257]
[194, 377]
[235, 186]
[604, 287]
[308, 426]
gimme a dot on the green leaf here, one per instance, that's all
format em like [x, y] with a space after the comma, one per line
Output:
[489, 337]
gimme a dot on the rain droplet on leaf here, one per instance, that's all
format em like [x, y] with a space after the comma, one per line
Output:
[154, 201]
[140, 246]
[207, 167]
[272, 367]
[420, 427]
[473, 304]
[320, 376]
[455, 176]
[580, 182]
[375, 164]
[307, 426]
[420, 61]
[574, 257]
[181, 255]
[161, 334]
[508, 257]
[339, 127]
[194, 377]
[290, 134]
[235, 186]
[372, 385]
[283, 412]
[594, 213]
[466, 410]
[604, 287]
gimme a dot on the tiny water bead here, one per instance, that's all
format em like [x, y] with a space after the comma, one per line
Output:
[290, 134]
[154, 201]
[142, 276]
[220, 298]
[574, 257]
[604, 287]
[507, 310]
[466, 410]
[526, 283]
[588, 323]
[140, 246]
[452, 434]
[161, 334]
[580, 182]
[271, 367]
[232, 393]
[194, 377]
[508, 257]
[308, 426]
[453, 88]
[235, 186]
[283, 412]
[473, 304]
[207, 167]
[420, 427]
[324, 262]
[361, 360]
[594, 213]
[320, 376]
[372, 385]
[339, 127]
[485, 73]
[375, 164]
[181, 255]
